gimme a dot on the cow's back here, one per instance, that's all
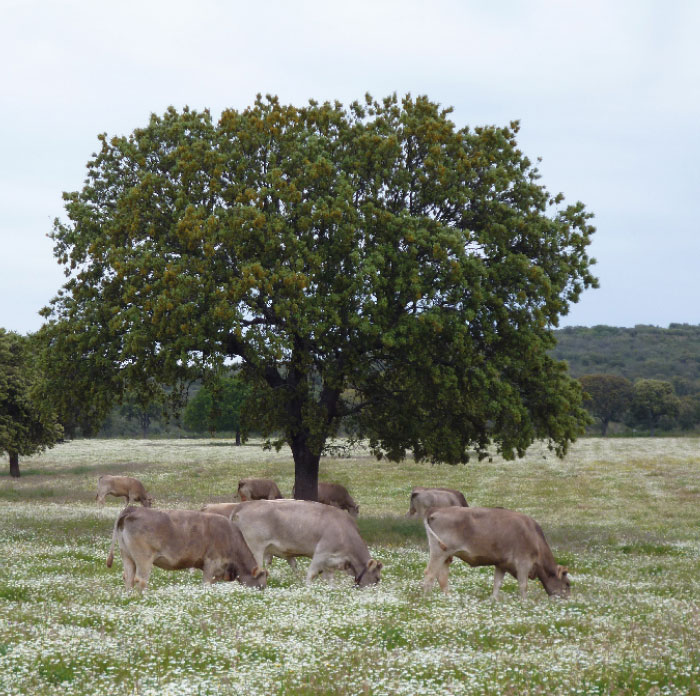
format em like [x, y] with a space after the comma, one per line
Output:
[488, 535]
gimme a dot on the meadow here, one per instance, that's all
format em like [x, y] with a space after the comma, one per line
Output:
[623, 514]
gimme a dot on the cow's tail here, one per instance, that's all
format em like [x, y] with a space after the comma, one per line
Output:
[120, 517]
[430, 532]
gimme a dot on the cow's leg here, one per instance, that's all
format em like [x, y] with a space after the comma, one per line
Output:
[129, 571]
[207, 574]
[315, 568]
[100, 500]
[443, 573]
[143, 572]
[498, 576]
[437, 569]
[521, 573]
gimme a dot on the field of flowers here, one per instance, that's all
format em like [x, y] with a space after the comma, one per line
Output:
[624, 515]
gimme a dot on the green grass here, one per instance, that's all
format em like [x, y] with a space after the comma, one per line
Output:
[622, 514]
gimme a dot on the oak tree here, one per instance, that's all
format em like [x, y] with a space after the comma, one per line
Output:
[371, 265]
[652, 400]
[607, 397]
[27, 422]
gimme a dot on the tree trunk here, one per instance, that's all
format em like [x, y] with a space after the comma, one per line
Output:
[14, 464]
[238, 438]
[604, 426]
[305, 469]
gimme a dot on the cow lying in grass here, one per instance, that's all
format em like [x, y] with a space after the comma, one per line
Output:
[509, 540]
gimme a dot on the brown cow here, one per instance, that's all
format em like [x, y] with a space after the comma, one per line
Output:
[509, 540]
[423, 498]
[130, 488]
[303, 528]
[336, 495]
[258, 489]
[227, 509]
[177, 539]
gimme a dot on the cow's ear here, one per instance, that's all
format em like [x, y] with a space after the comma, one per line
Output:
[374, 564]
[561, 571]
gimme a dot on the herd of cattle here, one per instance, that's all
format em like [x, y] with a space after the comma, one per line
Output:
[235, 541]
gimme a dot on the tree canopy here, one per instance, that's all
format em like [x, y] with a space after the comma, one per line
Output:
[371, 265]
[217, 407]
[609, 397]
[652, 400]
[27, 423]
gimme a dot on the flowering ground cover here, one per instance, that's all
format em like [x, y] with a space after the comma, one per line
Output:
[624, 515]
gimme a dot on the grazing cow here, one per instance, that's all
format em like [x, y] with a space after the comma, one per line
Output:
[423, 498]
[227, 509]
[258, 489]
[509, 540]
[336, 495]
[177, 539]
[131, 488]
[303, 528]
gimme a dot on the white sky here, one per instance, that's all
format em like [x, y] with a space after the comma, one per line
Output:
[608, 95]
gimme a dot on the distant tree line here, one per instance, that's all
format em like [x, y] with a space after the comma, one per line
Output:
[645, 378]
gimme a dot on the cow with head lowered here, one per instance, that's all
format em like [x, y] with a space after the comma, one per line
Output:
[511, 541]
[258, 489]
[337, 495]
[423, 498]
[122, 486]
[178, 539]
[290, 528]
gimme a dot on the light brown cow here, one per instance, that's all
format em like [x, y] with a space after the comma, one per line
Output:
[509, 540]
[227, 509]
[258, 489]
[423, 498]
[336, 495]
[130, 488]
[323, 533]
[177, 539]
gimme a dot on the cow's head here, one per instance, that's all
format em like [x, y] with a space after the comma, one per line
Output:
[255, 578]
[148, 501]
[354, 510]
[559, 583]
[370, 574]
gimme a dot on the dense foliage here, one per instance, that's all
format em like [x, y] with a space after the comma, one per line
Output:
[372, 264]
[27, 422]
[671, 356]
[217, 407]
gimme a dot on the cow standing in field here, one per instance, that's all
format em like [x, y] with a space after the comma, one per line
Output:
[130, 488]
[512, 542]
[226, 510]
[177, 539]
[258, 489]
[336, 495]
[423, 498]
[323, 533]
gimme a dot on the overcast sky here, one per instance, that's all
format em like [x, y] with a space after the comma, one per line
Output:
[607, 92]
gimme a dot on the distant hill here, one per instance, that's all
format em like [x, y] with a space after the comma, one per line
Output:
[671, 354]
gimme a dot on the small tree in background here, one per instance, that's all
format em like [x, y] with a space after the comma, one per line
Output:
[27, 423]
[607, 397]
[653, 399]
[217, 408]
